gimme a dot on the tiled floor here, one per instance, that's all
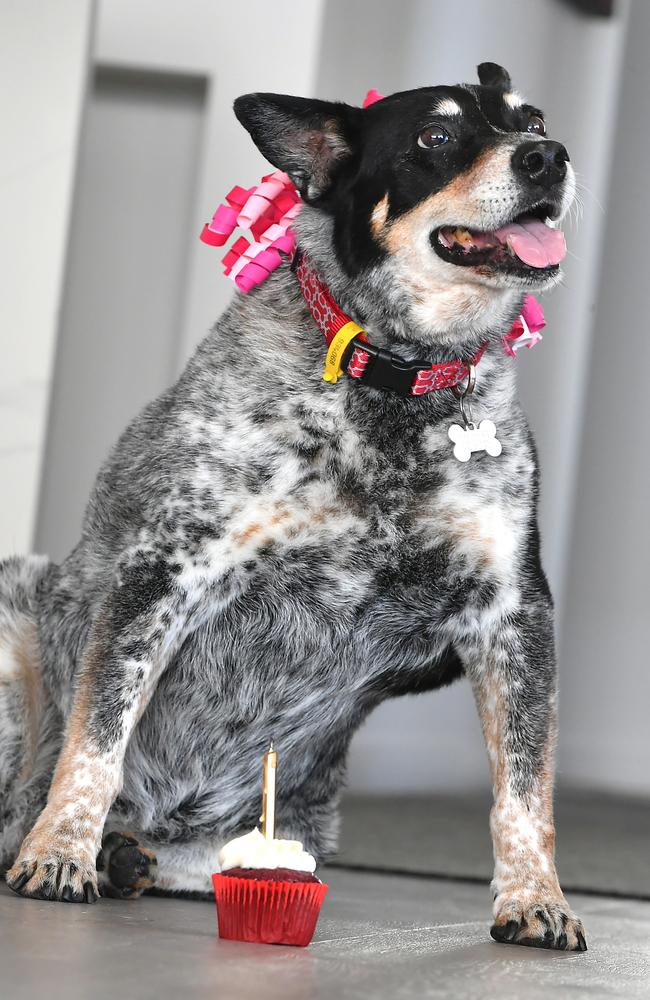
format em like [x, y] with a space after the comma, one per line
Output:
[380, 936]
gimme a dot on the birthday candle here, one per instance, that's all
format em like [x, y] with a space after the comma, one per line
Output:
[268, 796]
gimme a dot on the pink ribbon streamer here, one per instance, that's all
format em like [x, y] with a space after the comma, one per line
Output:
[372, 97]
[268, 210]
[525, 331]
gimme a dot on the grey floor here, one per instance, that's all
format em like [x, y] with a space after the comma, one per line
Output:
[603, 841]
[380, 935]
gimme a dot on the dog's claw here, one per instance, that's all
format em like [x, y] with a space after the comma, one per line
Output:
[22, 879]
[90, 895]
[504, 932]
[551, 925]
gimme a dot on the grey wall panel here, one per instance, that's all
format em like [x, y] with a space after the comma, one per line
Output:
[125, 280]
[605, 731]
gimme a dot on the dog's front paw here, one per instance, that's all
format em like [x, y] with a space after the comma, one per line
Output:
[538, 923]
[47, 868]
[54, 877]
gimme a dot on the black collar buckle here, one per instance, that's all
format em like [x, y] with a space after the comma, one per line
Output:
[386, 370]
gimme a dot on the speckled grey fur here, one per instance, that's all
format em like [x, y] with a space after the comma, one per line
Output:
[298, 638]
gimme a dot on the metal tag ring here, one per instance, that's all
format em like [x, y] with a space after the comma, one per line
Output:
[462, 393]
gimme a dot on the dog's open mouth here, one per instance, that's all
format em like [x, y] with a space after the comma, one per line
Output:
[527, 243]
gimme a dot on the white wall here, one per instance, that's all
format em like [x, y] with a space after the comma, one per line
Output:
[43, 58]
[239, 47]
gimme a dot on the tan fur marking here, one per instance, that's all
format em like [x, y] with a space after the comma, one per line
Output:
[277, 514]
[464, 527]
[455, 202]
[281, 515]
[282, 523]
[143, 882]
[481, 536]
[324, 514]
[27, 659]
[241, 537]
[522, 831]
[491, 711]
[378, 216]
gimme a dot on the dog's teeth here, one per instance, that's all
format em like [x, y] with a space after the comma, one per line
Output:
[462, 236]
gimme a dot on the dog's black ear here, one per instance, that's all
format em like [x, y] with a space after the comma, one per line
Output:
[492, 75]
[307, 139]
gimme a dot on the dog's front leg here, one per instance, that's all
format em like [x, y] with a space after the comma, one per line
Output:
[142, 623]
[513, 676]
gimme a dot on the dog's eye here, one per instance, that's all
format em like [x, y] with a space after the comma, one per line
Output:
[536, 124]
[432, 136]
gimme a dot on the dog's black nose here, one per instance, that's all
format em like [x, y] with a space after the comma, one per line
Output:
[543, 162]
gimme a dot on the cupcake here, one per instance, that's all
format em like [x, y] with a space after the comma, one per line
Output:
[266, 891]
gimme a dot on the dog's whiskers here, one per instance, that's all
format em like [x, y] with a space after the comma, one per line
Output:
[583, 189]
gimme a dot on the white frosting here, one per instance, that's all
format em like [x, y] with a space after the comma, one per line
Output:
[253, 850]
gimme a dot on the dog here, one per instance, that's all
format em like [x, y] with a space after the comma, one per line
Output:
[266, 554]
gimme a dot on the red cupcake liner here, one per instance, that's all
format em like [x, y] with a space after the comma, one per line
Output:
[267, 912]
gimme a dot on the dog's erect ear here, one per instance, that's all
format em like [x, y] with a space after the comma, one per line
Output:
[492, 75]
[307, 139]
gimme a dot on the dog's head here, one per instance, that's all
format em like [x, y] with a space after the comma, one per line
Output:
[447, 196]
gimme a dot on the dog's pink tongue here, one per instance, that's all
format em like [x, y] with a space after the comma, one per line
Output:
[534, 242]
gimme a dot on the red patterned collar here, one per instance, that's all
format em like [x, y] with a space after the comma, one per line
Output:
[349, 350]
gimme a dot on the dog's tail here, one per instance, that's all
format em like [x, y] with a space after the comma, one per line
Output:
[19, 580]
[26, 713]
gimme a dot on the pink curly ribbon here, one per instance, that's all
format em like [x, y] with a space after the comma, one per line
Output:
[268, 210]
[525, 331]
[372, 97]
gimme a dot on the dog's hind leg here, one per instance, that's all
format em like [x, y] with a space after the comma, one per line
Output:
[512, 671]
[125, 867]
[187, 868]
[30, 725]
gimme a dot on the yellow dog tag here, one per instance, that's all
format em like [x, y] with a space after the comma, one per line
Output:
[336, 350]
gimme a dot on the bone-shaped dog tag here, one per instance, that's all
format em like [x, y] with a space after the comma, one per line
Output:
[472, 438]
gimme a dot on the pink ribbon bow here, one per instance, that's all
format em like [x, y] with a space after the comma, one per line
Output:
[268, 210]
[525, 331]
